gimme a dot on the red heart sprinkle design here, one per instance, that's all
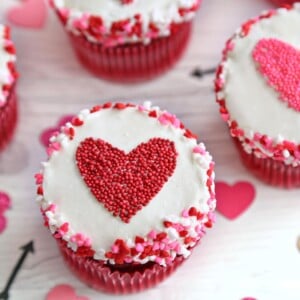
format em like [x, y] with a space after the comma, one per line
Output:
[279, 63]
[30, 13]
[234, 200]
[64, 292]
[125, 183]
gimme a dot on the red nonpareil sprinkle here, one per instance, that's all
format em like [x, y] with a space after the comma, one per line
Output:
[190, 135]
[7, 33]
[125, 183]
[95, 109]
[71, 133]
[40, 190]
[209, 224]
[193, 211]
[167, 224]
[77, 122]
[10, 48]
[161, 236]
[107, 105]
[120, 106]
[139, 240]
[153, 114]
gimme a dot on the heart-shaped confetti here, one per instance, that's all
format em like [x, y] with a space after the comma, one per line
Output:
[234, 200]
[279, 63]
[64, 292]
[125, 183]
[29, 13]
[48, 132]
[5, 204]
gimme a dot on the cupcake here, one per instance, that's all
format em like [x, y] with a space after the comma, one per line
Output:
[127, 40]
[257, 88]
[127, 193]
[8, 76]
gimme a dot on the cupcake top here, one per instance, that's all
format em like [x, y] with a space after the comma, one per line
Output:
[113, 22]
[127, 184]
[258, 85]
[8, 74]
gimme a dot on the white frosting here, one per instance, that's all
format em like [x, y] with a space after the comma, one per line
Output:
[253, 103]
[159, 12]
[5, 73]
[124, 129]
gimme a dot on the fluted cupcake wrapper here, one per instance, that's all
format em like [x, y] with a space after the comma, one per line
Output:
[134, 62]
[124, 281]
[8, 119]
[270, 171]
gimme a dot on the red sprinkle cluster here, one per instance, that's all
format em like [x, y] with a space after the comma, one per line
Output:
[279, 63]
[125, 183]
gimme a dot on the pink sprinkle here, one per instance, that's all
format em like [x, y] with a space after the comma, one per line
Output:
[141, 108]
[38, 178]
[139, 248]
[185, 213]
[199, 150]
[158, 260]
[115, 249]
[152, 234]
[155, 246]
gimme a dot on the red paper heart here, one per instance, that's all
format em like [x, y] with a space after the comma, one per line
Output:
[279, 63]
[30, 13]
[125, 183]
[48, 132]
[234, 200]
[64, 292]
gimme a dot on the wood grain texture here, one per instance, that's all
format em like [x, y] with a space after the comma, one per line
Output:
[256, 255]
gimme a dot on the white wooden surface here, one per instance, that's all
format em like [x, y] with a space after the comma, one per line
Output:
[255, 255]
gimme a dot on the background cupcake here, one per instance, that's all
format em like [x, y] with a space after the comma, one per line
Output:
[128, 193]
[257, 88]
[127, 41]
[8, 76]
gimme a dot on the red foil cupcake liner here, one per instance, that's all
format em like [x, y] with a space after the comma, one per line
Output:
[270, 171]
[116, 280]
[8, 119]
[133, 62]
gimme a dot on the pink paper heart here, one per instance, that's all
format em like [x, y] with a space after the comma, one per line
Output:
[30, 14]
[234, 200]
[4, 206]
[64, 292]
[279, 63]
[48, 132]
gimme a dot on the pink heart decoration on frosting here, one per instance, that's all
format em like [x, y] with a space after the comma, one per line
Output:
[125, 183]
[234, 200]
[279, 63]
[48, 132]
[64, 292]
[5, 204]
[30, 14]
